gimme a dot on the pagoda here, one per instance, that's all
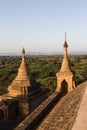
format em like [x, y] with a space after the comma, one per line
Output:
[24, 93]
[21, 84]
[65, 82]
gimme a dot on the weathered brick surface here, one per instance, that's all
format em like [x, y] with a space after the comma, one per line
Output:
[36, 115]
[61, 117]
[64, 113]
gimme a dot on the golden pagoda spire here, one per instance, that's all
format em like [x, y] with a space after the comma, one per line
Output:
[65, 64]
[23, 69]
[23, 53]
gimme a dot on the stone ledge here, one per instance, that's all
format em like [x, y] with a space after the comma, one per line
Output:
[63, 115]
[37, 113]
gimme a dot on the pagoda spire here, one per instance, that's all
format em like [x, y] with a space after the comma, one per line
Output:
[23, 71]
[65, 64]
[23, 53]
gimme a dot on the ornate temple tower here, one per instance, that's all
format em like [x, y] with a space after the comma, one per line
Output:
[24, 94]
[21, 84]
[65, 81]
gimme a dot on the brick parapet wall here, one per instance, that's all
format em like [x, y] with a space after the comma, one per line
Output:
[36, 115]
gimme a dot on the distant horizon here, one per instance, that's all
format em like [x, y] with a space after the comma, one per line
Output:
[40, 25]
[42, 53]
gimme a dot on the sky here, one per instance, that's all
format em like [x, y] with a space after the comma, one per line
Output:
[40, 25]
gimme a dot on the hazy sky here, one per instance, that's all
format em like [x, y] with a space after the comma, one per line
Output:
[39, 25]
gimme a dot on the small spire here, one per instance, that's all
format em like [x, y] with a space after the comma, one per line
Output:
[23, 51]
[65, 43]
[65, 36]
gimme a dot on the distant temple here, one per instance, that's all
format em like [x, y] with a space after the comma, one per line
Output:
[65, 82]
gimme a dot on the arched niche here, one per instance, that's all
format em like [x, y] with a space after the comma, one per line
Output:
[64, 87]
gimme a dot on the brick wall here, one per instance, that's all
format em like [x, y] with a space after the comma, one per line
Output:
[37, 114]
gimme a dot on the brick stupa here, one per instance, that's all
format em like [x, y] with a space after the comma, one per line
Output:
[21, 84]
[65, 82]
[24, 94]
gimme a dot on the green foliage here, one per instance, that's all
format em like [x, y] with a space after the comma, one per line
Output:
[43, 69]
